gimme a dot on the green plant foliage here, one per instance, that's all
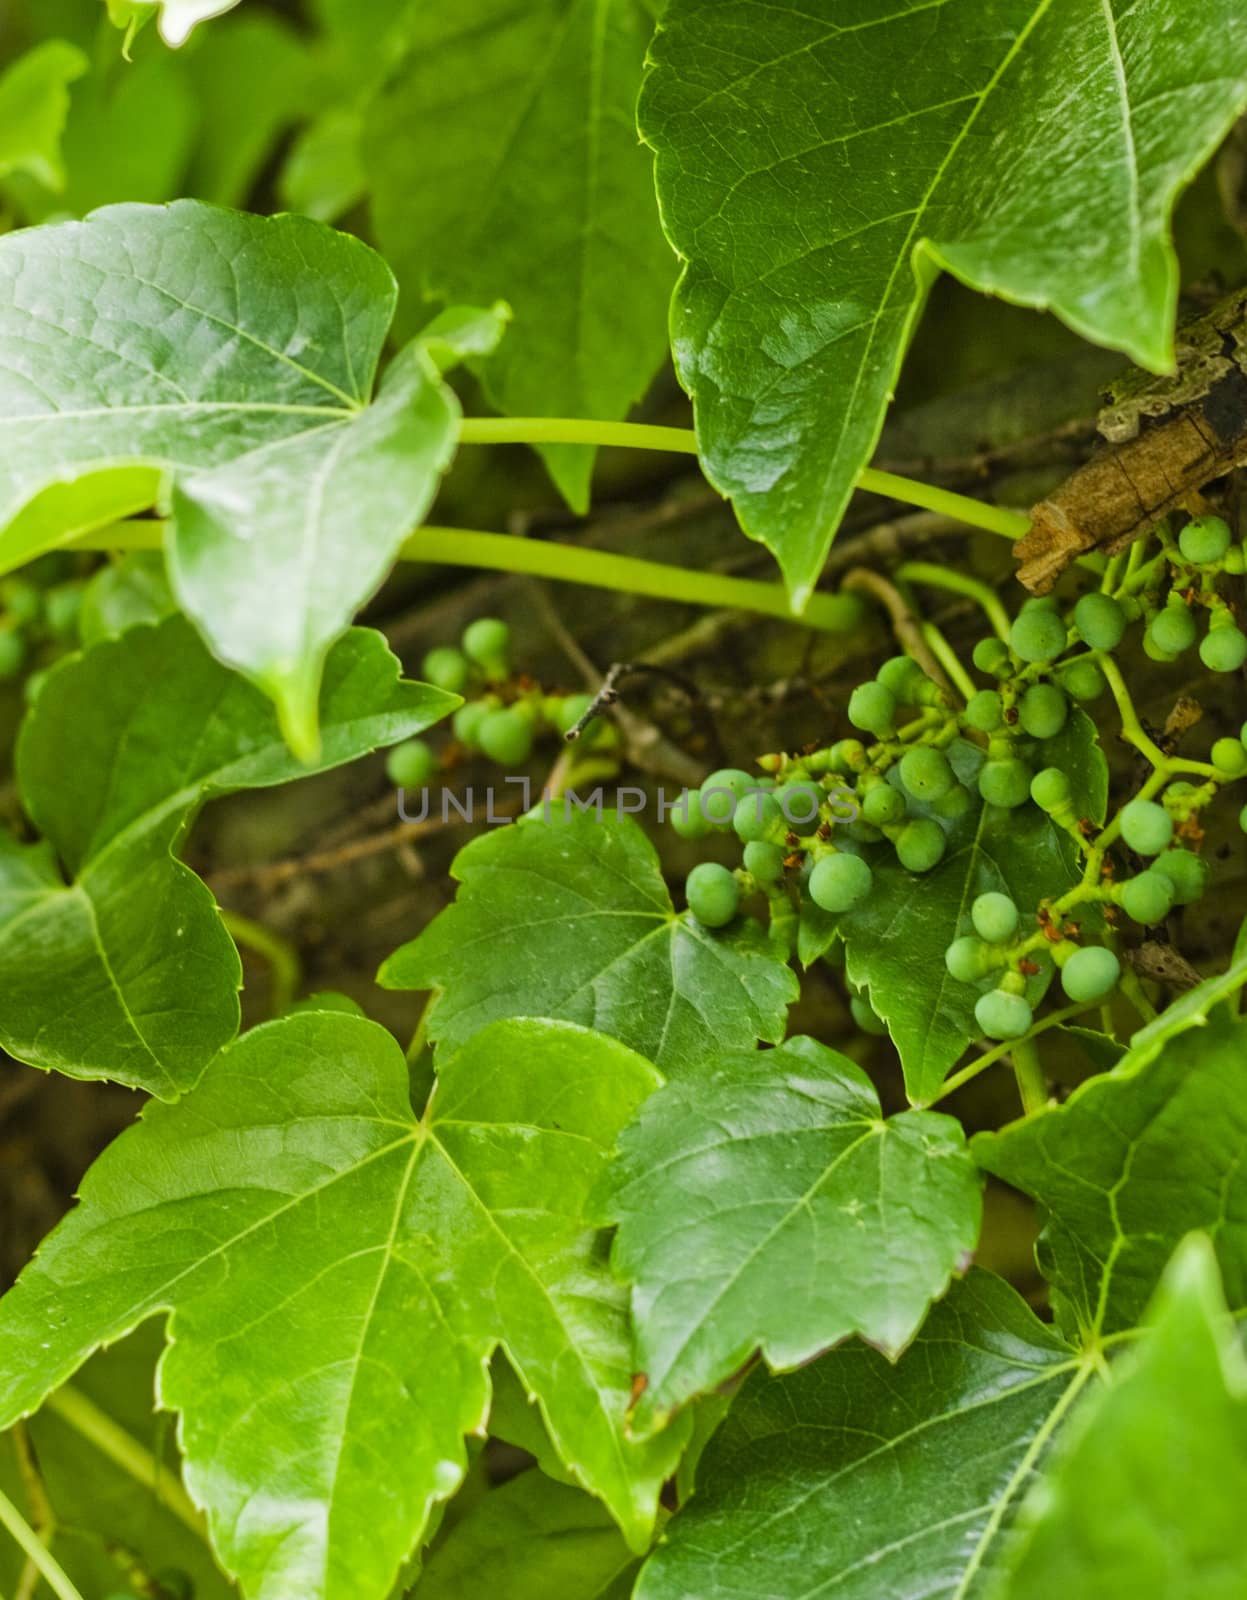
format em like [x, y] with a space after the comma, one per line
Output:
[338, 1273]
[34, 102]
[113, 1522]
[1115, 1516]
[531, 1540]
[532, 189]
[806, 1217]
[150, 727]
[895, 942]
[799, 1488]
[241, 399]
[1134, 1160]
[817, 169]
[581, 914]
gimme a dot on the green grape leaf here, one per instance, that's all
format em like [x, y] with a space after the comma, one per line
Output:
[1145, 1492]
[1079, 754]
[804, 1217]
[224, 364]
[108, 1515]
[253, 81]
[895, 941]
[337, 1275]
[1130, 1163]
[34, 103]
[570, 917]
[858, 1478]
[127, 971]
[531, 1539]
[1191, 1010]
[124, 593]
[519, 121]
[817, 166]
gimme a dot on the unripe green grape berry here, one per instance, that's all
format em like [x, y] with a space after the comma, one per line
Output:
[995, 917]
[1223, 649]
[466, 722]
[1173, 629]
[1005, 783]
[721, 791]
[411, 764]
[687, 818]
[60, 609]
[445, 668]
[1146, 827]
[849, 755]
[840, 882]
[1235, 563]
[954, 804]
[864, 1016]
[1037, 635]
[1043, 711]
[985, 711]
[1187, 872]
[1148, 898]
[21, 599]
[1083, 680]
[713, 894]
[883, 805]
[903, 678]
[872, 708]
[992, 656]
[968, 959]
[12, 654]
[487, 641]
[920, 845]
[506, 737]
[925, 772]
[757, 816]
[801, 807]
[765, 861]
[1229, 757]
[1100, 621]
[863, 832]
[1090, 974]
[1050, 789]
[1002, 1015]
[1153, 651]
[1204, 540]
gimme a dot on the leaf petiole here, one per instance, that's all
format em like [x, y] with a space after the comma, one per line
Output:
[644, 436]
[54, 1575]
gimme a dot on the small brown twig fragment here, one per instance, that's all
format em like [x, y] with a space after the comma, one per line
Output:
[1166, 436]
[905, 624]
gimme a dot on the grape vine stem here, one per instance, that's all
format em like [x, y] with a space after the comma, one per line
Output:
[54, 1575]
[643, 436]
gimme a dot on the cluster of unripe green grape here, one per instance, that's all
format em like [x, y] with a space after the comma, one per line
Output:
[908, 786]
[502, 716]
[36, 623]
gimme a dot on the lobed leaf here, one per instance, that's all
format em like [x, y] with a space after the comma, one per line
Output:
[570, 917]
[818, 165]
[1115, 1515]
[127, 971]
[762, 1201]
[337, 1275]
[504, 162]
[860, 1478]
[1133, 1161]
[222, 364]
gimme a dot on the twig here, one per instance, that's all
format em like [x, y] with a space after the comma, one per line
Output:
[906, 624]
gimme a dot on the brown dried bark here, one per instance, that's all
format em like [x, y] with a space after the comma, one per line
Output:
[1166, 437]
